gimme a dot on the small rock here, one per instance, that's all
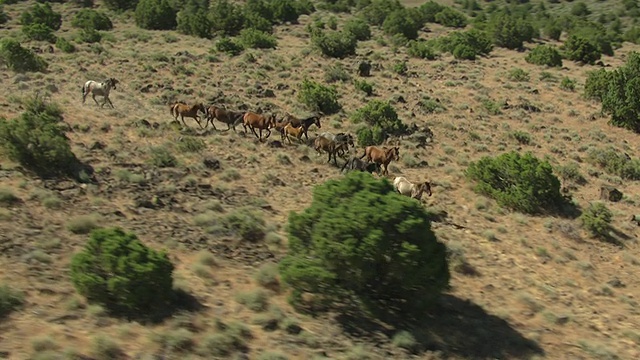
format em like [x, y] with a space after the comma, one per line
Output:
[270, 325]
[97, 145]
[293, 329]
[616, 283]
[211, 163]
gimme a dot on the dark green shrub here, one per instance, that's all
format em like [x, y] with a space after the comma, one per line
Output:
[119, 272]
[10, 300]
[400, 68]
[252, 38]
[192, 20]
[155, 15]
[358, 28]
[381, 117]
[451, 18]
[226, 17]
[344, 246]
[162, 157]
[370, 136]
[229, 46]
[510, 31]
[568, 84]
[597, 84]
[620, 99]
[42, 14]
[89, 35]
[319, 97]
[580, 49]
[40, 32]
[89, 18]
[3, 16]
[596, 34]
[65, 45]
[19, 59]
[336, 44]
[632, 35]
[421, 49]
[519, 182]
[285, 10]
[363, 86]
[377, 11]
[553, 30]
[465, 44]
[400, 22]
[120, 4]
[544, 55]
[597, 219]
[429, 10]
[580, 9]
[37, 140]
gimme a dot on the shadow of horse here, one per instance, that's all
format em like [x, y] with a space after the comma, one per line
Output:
[455, 328]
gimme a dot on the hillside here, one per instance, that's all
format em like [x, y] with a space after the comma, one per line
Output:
[522, 287]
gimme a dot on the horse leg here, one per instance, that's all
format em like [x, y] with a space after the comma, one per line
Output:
[255, 133]
[268, 133]
[110, 103]
[182, 117]
[94, 99]
[197, 119]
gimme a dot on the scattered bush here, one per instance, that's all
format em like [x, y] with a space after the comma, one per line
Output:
[257, 39]
[363, 86]
[192, 20]
[10, 300]
[162, 157]
[155, 15]
[358, 28]
[421, 49]
[89, 18]
[451, 18]
[118, 271]
[465, 44]
[37, 141]
[83, 224]
[335, 73]
[544, 55]
[39, 32]
[520, 182]
[597, 219]
[225, 17]
[3, 16]
[567, 84]
[229, 46]
[509, 30]
[319, 97]
[377, 11]
[581, 49]
[65, 45]
[42, 14]
[120, 4]
[382, 120]
[336, 44]
[341, 246]
[401, 22]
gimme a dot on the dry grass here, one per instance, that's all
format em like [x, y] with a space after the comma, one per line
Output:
[537, 278]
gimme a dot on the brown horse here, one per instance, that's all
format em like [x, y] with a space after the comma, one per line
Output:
[382, 156]
[329, 146]
[258, 121]
[305, 123]
[182, 109]
[231, 118]
[293, 131]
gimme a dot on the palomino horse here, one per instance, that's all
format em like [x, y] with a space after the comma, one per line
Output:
[356, 164]
[293, 131]
[231, 118]
[100, 89]
[258, 121]
[187, 110]
[382, 156]
[304, 123]
[407, 188]
[329, 146]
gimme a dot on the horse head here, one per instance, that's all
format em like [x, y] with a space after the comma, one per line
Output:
[394, 152]
[317, 122]
[113, 82]
[202, 108]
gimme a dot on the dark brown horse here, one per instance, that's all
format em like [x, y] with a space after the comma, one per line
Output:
[187, 110]
[382, 156]
[231, 118]
[258, 121]
[305, 123]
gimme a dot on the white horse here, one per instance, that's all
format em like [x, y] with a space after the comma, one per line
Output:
[99, 88]
[407, 188]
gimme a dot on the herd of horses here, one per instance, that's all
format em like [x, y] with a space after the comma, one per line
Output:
[289, 126]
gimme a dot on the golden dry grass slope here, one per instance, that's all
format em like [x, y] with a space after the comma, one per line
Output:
[522, 286]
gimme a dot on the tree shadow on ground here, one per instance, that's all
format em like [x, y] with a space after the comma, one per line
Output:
[181, 302]
[455, 327]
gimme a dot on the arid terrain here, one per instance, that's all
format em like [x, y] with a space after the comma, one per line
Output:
[522, 287]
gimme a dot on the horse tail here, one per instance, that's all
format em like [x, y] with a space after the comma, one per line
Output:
[363, 155]
[172, 108]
